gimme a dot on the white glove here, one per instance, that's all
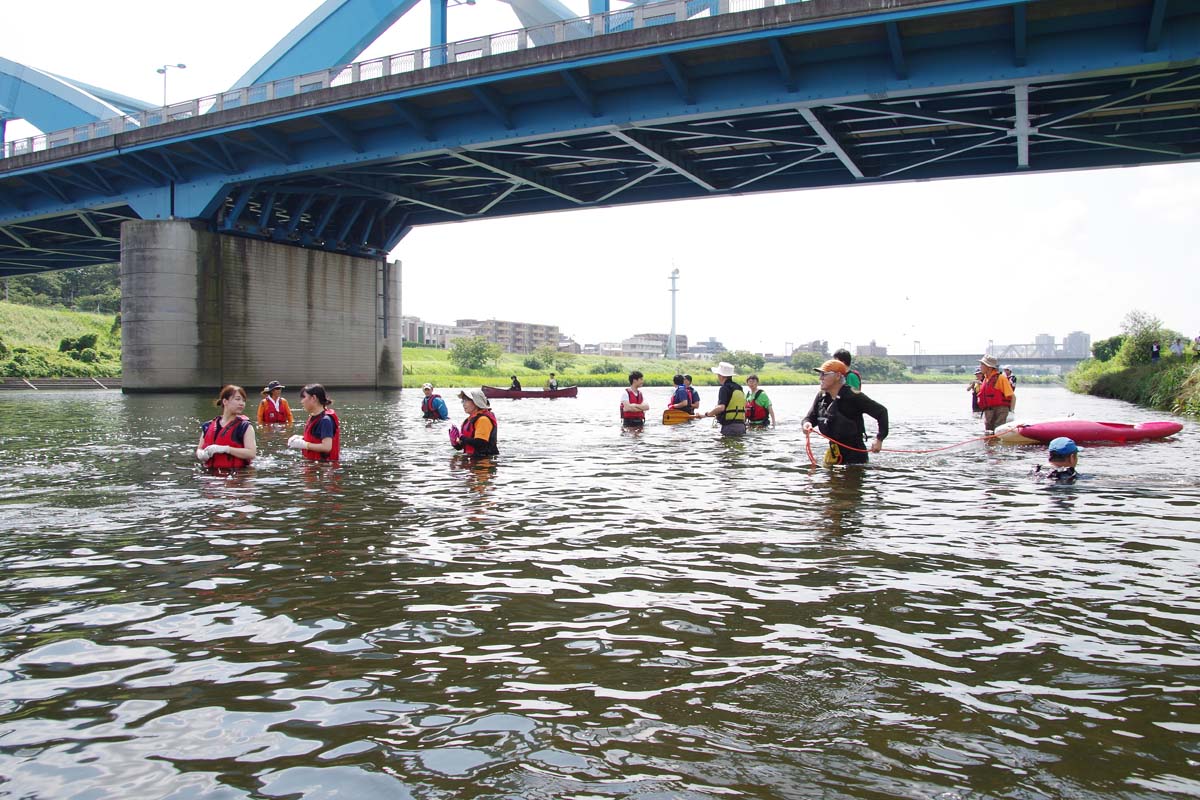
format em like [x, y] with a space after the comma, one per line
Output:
[296, 443]
[202, 454]
[213, 449]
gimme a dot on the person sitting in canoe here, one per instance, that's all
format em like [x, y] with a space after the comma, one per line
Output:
[516, 384]
[552, 382]
[1064, 457]
[433, 406]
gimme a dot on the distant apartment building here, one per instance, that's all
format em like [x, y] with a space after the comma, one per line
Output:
[414, 330]
[709, 347]
[513, 337]
[871, 349]
[568, 345]
[681, 341]
[642, 347]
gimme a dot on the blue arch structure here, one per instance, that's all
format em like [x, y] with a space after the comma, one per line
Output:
[333, 34]
[49, 102]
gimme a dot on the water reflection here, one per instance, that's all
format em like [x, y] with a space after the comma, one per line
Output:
[592, 613]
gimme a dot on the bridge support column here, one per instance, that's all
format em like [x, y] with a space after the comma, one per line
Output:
[199, 310]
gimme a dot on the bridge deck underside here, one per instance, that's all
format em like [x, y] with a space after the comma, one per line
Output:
[1001, 88]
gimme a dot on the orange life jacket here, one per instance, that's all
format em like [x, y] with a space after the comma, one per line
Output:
[309, 436]
[468, 433]
[272, 416]
[215, 434]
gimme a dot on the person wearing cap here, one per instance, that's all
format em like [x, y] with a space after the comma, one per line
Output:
[730, 409]
[995, 394]
[478, 435]
[1064, 457]
[633, 405]
[973, 388]
[837, 412]
[433, 406]
[759, 410]
[273, 409]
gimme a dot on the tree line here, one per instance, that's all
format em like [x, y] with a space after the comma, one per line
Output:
[95, 289]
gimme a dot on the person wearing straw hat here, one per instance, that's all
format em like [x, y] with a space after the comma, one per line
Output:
[433, 406]
[478, 435]
[837, 412]
[274, 410]
[995, 395]
[730, 409]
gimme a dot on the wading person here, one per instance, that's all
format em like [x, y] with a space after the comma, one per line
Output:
[478, 435]
[1064, 457]
[273, 409]
[633, 405]
[994, 394]
[432, 405]
[973, 388]
[683, 398]
[227, 440]
[837, 412]
[322, 437]
[853, 377]
[759, 410]
[695, 395]
[730, 409]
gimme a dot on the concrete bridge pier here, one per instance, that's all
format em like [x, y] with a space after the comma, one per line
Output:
[201, 309]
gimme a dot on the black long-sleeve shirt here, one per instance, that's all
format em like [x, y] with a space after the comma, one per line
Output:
[852, 405]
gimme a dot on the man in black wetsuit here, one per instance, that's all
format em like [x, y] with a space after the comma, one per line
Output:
[838, 412]
[1064, 456]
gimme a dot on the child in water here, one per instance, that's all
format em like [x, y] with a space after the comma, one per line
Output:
[1064, 456]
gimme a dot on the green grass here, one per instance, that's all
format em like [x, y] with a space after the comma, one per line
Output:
[1173, 384]
[31, 336]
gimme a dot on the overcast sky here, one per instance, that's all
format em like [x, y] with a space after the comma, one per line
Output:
[949, 264]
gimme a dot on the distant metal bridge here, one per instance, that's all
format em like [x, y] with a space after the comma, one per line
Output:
[626, 109]
[971, 360]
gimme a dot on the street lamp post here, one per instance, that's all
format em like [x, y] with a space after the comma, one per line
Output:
[671, 351]
[163, 71]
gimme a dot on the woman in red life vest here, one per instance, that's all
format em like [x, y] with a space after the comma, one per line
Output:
[274, 410]
[322, 439]
[478, 435]
[227, 441]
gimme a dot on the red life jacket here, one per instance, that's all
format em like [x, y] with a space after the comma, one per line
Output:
[309, 436]
[755, 412]
[989, 395]
[271, 416]
[634, 397]
[427, 409]
[468, 433]
[215, 434]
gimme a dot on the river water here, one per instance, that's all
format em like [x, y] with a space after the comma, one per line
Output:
[596, 614]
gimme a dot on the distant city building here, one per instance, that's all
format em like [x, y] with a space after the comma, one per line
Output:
[642, 347]
[415, 330]
[818, 346]
[568, 345]
[1077, 344]
[706, 348]
[513, 337]
[681, 341]
[871, 349]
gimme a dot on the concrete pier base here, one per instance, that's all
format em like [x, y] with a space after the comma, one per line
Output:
[199, 310]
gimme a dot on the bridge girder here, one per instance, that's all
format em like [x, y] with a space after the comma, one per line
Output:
[47, 101]
[355, 175]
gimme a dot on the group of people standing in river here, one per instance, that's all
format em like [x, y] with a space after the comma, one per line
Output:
[228, 441]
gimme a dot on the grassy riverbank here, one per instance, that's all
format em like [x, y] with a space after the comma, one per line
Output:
[1173, 384]
[38, 342]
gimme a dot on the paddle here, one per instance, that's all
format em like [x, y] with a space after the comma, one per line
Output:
[675, 416]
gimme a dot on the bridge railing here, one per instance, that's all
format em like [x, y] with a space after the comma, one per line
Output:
[632, 18]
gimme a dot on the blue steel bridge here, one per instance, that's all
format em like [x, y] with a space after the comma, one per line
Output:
[657, 102]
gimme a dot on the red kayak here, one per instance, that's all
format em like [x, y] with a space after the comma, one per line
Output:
[1085, 431]
[495, 392]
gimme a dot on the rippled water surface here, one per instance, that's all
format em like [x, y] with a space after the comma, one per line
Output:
[596, 614]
